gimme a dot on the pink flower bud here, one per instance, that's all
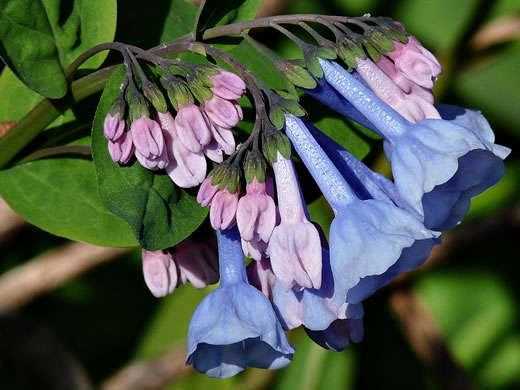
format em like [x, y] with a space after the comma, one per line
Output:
[122, 149]
[407, 86]
[186, 168]
[255, 249]
[227, 85]
[222, 112]
[160, 272]
[261, 276]
[415, 62]
[412, 107]
[147, 137]
[223, 210]
[192, 127]
[224, 138]
[198, 261]
[256, 213]
[206, 192]
[113, 127]
[294, 246]
[214, 152]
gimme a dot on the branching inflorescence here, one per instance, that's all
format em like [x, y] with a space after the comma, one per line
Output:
[176, 116]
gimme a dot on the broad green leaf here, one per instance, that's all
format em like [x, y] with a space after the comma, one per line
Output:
[160, 213]
[79, 25]
[214, 13]
[59, 195]
[63, 188]
[39, 38]
[28, 46]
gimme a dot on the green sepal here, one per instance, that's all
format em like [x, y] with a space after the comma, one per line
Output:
[276, 116]
[395, 32]
[298, 75]
[155, 96]
[371, 50]
[279, 106]
[380, 41]
[138, 107]
[199, 91]
[326, 52]
[178, 92]
[218, 174]
[118, 107]
[254, 166]
[232, 180]
[273, 142]
[311, 62]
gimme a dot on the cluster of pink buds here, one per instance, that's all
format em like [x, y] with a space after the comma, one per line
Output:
[177, 144]
[190, 261]
[404, 79]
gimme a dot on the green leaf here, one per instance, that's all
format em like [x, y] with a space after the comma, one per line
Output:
[39, 38]
[160, 213]
[214, 13]
[28, 47]
[59, 195]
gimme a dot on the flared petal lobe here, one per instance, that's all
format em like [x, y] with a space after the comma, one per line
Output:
[235, 327]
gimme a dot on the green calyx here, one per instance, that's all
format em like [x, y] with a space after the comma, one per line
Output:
[349, 50]
[199, 90]
[279, 106]
[310, 56]
[226, 176]
[273, 142]
[297, 74]
[380, 41]
[138, 107]
[155, 96]
[178, 92]
[254, 166]
[118, 107]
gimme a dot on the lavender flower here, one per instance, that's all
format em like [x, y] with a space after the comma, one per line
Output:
[438, 165]
[235, 326]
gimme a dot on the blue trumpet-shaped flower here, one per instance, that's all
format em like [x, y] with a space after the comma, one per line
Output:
[367, 237]
[235, 326]
[339, 334]
[438, 165]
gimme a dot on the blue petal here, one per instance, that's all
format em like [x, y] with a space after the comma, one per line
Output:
[368, 238]
[438, 166]
[338, 335]
[327, 95]
[240, 318]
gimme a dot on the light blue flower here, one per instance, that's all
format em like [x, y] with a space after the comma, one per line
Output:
[339, 334]
[438, 165]
[367, 237]
[235, 326]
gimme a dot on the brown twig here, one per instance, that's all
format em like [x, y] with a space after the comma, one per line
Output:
[427, 340]
[10, 222]
[150, 374]
[50, 270]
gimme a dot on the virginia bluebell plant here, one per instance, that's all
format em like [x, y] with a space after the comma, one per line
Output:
[373, 73]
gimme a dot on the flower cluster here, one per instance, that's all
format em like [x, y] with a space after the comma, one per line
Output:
[441, 156]
[178, 144]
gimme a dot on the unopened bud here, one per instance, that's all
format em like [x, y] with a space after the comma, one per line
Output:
[155, 96]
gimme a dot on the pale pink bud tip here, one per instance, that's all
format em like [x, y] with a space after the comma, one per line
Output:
[122, 149]
[192, 127]
[206, 192]
[147, 136]
[160, 272]
[223, 112]
[256, 213]
[114, 127]
[228, 85]
[416, 63]
[223, 210]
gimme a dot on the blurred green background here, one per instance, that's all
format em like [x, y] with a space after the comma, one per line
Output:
[106, 319]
